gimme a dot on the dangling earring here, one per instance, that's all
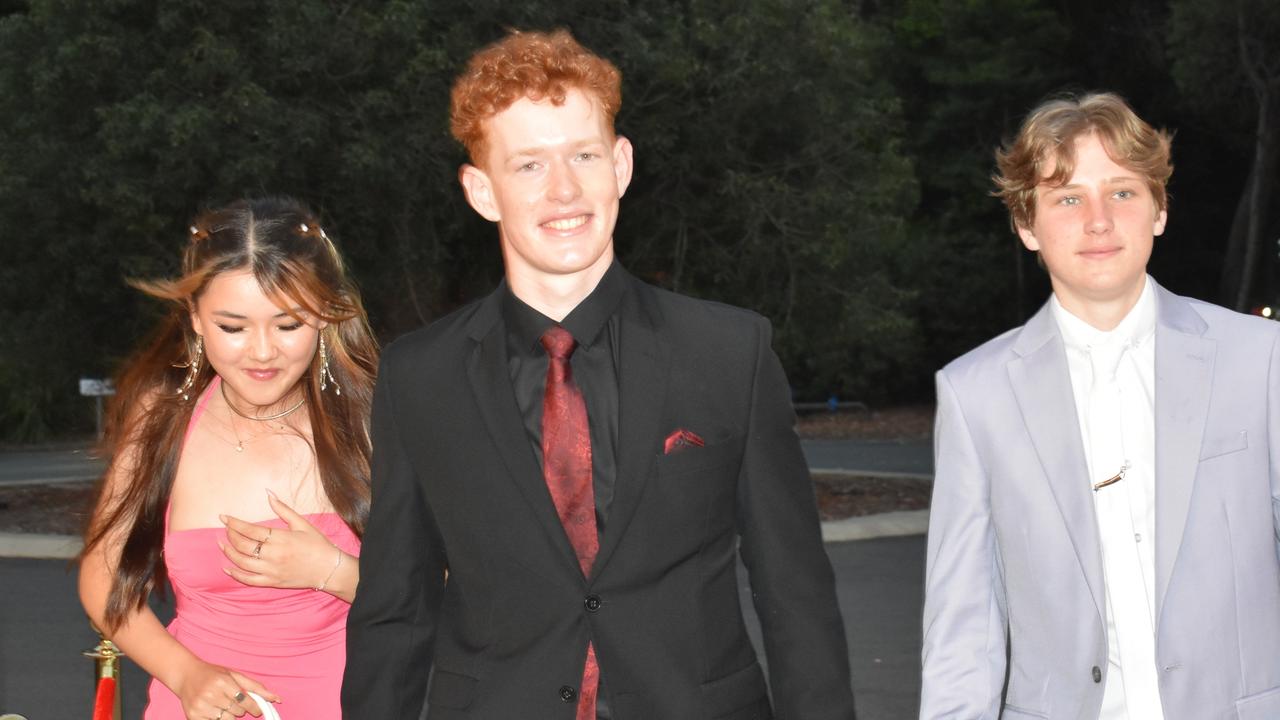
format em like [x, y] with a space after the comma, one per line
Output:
[326, 375]
[193, 368]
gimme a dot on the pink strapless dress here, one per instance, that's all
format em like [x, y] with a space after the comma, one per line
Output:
[292, 641]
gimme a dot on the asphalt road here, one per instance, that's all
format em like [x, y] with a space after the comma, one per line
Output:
[913, 458]
[43, 631]
[904, 457]
[33, 467]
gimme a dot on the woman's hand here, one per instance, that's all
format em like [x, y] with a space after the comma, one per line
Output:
[209, 692]
[299, 556]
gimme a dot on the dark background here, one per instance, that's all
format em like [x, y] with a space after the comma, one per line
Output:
[824, 162]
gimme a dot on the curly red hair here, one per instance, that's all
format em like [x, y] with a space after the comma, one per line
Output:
[534, 65]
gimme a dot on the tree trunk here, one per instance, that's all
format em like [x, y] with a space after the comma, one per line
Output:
[1264, 154]
[1233, 255]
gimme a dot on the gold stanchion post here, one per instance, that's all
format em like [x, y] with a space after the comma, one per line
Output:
[107, 665]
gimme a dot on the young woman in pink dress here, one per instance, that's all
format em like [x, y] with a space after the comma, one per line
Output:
[239, 473]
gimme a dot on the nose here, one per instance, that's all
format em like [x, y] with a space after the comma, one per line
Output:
[261, 347]
[564, 186]
[1099, 219]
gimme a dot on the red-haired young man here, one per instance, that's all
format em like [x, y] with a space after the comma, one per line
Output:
[565, 469]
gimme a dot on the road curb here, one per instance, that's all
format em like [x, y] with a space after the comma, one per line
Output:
[867, 527]
[890, 524]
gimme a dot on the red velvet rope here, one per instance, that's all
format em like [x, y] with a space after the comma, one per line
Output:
[104, 703]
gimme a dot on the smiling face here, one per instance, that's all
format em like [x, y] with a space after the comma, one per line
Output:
[552, 179]
[1095, 232]
[259, 350]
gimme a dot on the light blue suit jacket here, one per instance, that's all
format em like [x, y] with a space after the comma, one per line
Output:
[1014, 618]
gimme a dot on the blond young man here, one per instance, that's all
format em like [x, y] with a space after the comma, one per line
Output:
[1103, 533]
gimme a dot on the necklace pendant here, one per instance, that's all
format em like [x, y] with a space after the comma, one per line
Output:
[239, 447]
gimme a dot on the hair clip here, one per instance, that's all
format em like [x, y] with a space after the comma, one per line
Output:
[194, 230]
[306, 229]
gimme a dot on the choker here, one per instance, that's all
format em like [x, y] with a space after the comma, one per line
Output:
[222, 386]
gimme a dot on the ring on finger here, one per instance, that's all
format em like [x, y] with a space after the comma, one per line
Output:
[257, 551]
[220, 711]
[239, 696]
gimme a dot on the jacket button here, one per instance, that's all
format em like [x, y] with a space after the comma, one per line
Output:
[593, 603]
[1097, 674]
[568, 694]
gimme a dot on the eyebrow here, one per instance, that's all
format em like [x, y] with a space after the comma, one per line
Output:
[1105, 181]
[540, 150]
[237, 316]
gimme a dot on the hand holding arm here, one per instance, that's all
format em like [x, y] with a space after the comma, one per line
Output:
[297, 556]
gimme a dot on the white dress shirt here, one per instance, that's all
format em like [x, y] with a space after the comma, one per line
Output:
[1117, 425]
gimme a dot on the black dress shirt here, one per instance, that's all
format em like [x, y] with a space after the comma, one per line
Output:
[594, 324]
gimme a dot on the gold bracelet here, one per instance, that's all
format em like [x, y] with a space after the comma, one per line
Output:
[336, 563]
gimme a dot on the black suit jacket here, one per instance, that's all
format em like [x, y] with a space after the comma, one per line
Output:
[457, 488]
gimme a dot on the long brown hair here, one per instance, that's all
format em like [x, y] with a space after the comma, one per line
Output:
[282, 244]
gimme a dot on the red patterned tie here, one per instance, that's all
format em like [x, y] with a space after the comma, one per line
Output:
[566, 466]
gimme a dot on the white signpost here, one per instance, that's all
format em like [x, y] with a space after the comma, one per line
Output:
[97, 389]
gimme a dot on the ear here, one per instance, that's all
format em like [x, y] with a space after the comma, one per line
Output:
[1161, 217]
[1029, 239]
[196, 325]
[622, 165]
[479, 191]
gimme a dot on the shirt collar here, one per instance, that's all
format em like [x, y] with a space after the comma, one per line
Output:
[585, 322]
[1138, 324]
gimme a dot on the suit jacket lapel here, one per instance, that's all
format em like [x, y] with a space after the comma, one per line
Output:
[490, 381]
[644, 354]
[1183, 376]
[1042, 384]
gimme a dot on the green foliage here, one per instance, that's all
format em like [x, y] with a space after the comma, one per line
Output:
[770, 175]
[1208, 44]
[826, 163]
[771, 171]
[122, 119]
[967, 71]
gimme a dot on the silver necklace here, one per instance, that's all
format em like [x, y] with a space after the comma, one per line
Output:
[240, 443]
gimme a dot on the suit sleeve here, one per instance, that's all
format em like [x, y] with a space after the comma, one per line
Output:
[791, 579]
[964, 614]
[392, 625]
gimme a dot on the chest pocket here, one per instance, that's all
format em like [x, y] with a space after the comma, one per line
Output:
[1213, 447]
[693, 458]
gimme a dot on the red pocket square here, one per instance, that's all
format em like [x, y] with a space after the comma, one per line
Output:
[679, 439]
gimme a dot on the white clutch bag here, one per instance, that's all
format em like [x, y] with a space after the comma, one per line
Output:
[268, 710]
